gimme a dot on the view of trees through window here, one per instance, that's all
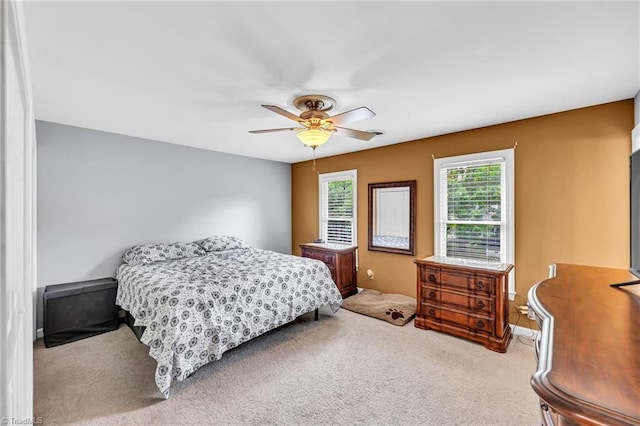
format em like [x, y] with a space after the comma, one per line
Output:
[474, 213]
[340, 211]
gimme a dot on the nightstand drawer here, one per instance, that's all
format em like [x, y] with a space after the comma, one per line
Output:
[328, 258]
[334, 275]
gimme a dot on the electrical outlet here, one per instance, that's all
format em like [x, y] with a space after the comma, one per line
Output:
[531, 314]
[370, 274]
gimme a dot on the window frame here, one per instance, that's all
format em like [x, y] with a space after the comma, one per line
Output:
[325, 178]
[507, 231]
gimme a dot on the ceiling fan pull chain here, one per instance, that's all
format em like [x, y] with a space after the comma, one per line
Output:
[314, 157]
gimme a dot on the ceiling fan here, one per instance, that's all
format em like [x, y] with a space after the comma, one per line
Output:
[317, 125]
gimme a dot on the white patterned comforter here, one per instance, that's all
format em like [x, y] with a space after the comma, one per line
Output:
[197, 308]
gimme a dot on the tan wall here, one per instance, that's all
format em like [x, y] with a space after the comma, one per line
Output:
[571, 193]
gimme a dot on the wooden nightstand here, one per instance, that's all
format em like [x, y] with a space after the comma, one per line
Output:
[340, 259]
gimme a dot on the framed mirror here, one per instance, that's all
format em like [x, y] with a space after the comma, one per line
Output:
[392, 217]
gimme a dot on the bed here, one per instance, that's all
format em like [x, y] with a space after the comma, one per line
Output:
[199, 299]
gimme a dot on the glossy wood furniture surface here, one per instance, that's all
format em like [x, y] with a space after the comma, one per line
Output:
[465, 299]
[341, 260]
[589, 346]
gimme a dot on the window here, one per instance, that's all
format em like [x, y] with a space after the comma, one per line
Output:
[474, 208]
[338, 207]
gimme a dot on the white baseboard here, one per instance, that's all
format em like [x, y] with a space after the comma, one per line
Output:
[39, 333]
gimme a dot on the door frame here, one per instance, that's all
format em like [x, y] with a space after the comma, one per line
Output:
[18, 201]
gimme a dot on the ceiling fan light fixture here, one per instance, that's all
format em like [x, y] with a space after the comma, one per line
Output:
[314, 137]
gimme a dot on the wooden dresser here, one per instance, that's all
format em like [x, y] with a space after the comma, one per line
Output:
[341, 260]
[588, 348]
[465, 299]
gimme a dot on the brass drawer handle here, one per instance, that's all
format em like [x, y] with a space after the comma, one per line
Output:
[480, 304]
[432, 278]
[480, 285]
[480, 324]
[432, 295]
[431, 313]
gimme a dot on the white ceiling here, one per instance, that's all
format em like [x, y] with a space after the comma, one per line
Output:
[196, 73]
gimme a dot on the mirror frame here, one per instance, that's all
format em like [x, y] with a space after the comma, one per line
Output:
[412, 219]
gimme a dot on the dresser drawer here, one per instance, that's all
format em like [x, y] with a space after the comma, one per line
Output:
[328, 258]
[475, 283]
[475, 324]
[429, 275]
[437, 313]
[471, 303]
[481, 325]
[483, 284]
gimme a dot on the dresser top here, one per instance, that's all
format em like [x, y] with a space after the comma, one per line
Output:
[335, 247]
[590, 343]
[468, 263]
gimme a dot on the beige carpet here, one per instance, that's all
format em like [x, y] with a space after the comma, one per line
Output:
[344, 369]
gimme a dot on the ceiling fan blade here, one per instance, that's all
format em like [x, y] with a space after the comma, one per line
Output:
[282, 112]
[276, 130]
[358, 134]
[353, 115]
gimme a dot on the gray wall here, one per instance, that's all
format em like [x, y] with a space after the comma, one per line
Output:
[100, 193]
[635, 133]
[636, 105]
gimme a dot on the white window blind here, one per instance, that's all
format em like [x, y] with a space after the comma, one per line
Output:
[338, 207]
[471, 209]
[474, 207]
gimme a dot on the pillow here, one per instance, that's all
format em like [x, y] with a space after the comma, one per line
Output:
[397, 309]
[220, 243]
[148, 253]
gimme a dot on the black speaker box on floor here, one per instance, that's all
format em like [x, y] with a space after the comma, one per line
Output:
[77, 310]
